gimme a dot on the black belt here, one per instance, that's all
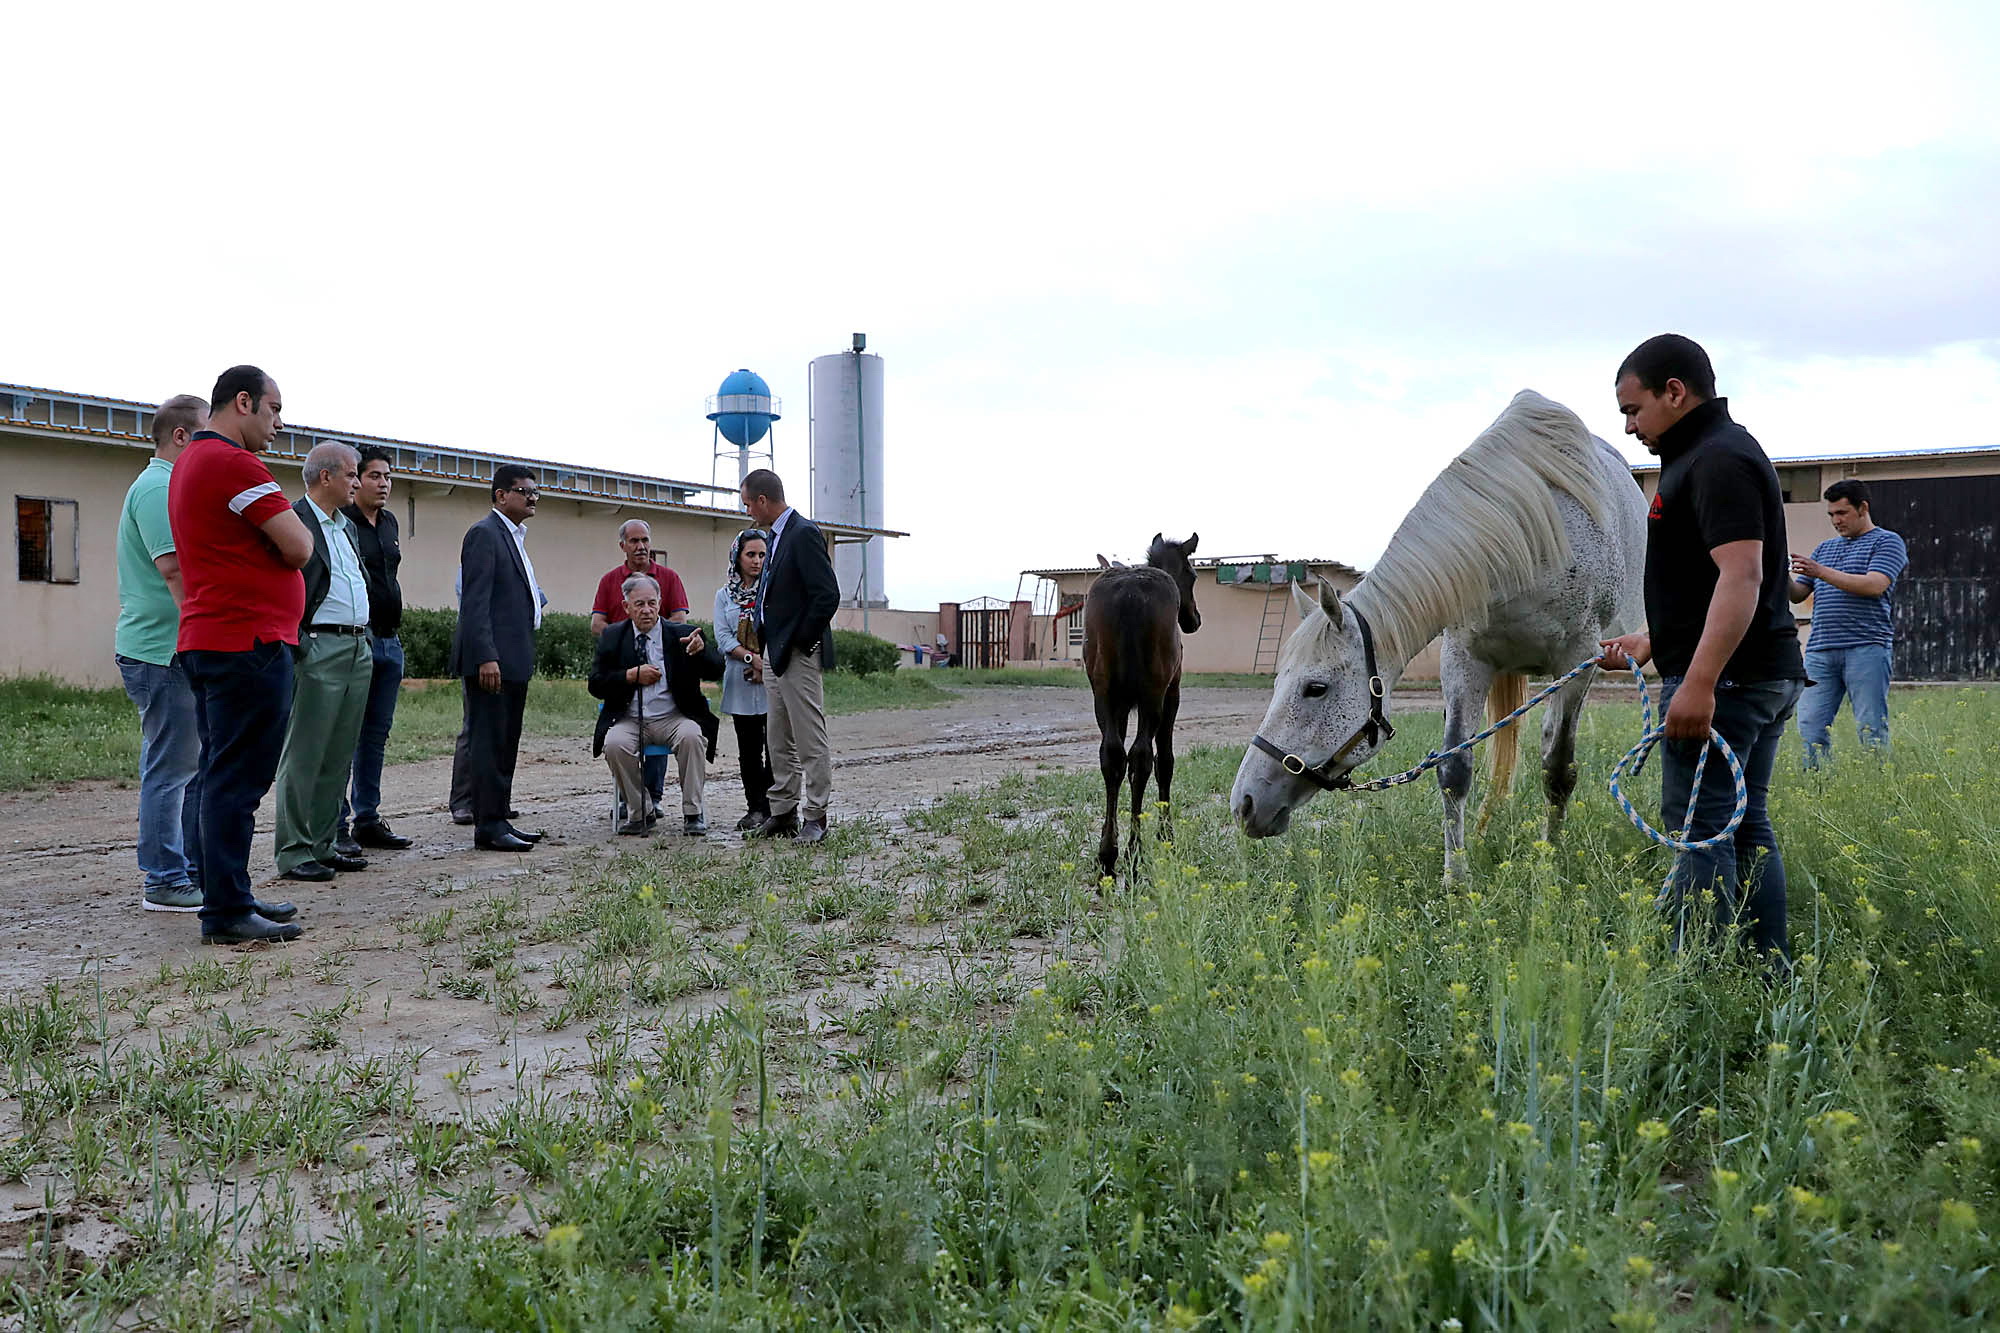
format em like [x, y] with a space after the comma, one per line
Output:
[357, 631]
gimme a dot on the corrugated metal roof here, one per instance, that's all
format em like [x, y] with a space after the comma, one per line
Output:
[100, 418]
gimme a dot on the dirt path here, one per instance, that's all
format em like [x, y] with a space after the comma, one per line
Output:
[73, 888]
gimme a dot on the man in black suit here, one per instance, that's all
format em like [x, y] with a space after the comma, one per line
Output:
[493, 651]
[649, 673]
[795, 604]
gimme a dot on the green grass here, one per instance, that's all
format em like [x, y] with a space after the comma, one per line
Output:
[52, 732]
[1289, 1083]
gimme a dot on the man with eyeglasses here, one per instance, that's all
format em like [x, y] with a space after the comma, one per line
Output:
[493, 652]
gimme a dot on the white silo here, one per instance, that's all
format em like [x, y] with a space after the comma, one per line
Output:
[845, 434]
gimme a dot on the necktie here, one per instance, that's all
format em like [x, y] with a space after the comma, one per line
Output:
[639, 698]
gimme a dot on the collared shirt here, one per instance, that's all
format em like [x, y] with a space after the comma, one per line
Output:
[778, 527]
[236, 592]
[381, 557]
[1716, 487]
[655, 701]
[346, 600]
[148, 618]
[520, 531]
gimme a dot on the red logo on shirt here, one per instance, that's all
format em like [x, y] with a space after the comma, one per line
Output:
[1657, 508]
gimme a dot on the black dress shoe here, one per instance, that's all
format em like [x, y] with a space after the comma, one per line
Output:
[250, 928]
[349, 862]
[379, 834]
[754, 819]
[778, 826]
[635, 828]
[461, 817]
[812, 830]
[500, 842]
[346, 846]
[279, 912]
[513, 814]
[536, 836]
[308, 872]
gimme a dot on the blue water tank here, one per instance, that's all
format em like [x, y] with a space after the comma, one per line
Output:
[743, 408]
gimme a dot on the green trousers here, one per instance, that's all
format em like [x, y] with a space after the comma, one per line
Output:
[329, 698]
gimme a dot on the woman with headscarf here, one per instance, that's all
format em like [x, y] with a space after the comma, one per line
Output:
[743, 694]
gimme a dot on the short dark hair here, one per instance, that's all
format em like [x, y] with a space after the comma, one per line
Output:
[1848, 489]
[507, 474]
[179, 412]
[764, 482]
[239, 379]
[375, 453]
[1669, 356]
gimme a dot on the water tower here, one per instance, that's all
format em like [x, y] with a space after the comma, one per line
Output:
[844, 416]
[742, 410]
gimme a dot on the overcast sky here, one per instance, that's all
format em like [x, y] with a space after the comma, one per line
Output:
[1253, 270]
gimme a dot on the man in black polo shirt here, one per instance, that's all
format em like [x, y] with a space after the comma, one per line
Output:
[377, 535]
[1719, 630]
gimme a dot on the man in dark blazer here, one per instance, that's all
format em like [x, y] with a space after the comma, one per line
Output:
[796, 600]
[330, 678]
[493, 651]
[649, 673]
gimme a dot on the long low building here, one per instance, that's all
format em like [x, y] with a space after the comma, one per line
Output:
[69, 458]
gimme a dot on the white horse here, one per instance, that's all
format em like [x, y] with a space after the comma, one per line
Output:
[1527, 549]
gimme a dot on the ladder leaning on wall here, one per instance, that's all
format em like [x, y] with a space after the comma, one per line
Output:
[1271, 631]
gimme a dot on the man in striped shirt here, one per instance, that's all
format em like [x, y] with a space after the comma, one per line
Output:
[1850, 578]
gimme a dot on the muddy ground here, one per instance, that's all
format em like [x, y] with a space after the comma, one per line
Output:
[72, 885]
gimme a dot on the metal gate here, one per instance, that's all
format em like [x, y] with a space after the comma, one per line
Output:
[982, 633]
[1947, 601]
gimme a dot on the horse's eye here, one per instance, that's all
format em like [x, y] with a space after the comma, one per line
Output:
[1315, 688]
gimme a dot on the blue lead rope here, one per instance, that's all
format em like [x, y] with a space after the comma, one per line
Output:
[1634, 760]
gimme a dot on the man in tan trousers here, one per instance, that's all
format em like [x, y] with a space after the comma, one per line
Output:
[795, 604]
[649, 673]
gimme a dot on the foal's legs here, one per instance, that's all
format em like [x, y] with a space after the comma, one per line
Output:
[1163, 754]
[1465, 680]
[1140, 758]
[1559, 748]
[1110, 759]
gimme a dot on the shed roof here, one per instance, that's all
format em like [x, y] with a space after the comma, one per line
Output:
[1316, 562]
[1869, 456]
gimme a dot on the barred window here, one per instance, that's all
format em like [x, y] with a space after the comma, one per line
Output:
[45, 539]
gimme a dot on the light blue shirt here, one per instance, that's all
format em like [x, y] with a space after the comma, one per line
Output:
[784, 521]
[346, 601]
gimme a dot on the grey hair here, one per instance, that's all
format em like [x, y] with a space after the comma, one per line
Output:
[629, 522]
[629, 584]
[325, 457]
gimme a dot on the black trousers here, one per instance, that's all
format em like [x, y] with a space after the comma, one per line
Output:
[755, 758]
[493, 740]
[461, 771]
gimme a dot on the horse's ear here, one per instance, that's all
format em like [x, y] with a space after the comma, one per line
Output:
[1302, 600]
[1329, 600]
[1102, 563]
[1187, 548]
[1159, 537]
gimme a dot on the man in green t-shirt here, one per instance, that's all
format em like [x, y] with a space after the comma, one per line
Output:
[149, 617]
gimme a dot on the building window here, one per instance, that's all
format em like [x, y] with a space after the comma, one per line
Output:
[1799, 485]
[45, 540]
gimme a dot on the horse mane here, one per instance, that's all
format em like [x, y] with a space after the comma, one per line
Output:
[1488, 527]
[1156, 554]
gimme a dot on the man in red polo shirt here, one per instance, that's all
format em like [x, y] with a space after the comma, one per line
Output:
[241, 549]
[635, 539]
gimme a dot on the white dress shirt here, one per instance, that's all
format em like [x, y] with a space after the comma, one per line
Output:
[346, 601]
[655, 701]
[770, 558]
[520, 531]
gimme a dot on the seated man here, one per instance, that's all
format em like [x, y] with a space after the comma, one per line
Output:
[649, 673]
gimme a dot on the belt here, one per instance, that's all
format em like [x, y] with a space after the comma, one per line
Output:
[358, 631]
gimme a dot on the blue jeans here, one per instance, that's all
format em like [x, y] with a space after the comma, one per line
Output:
[1746, 874]
[1862, 674]
[242, 704]
[363, 806]
[169, 765]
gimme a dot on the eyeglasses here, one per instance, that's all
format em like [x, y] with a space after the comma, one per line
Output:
[528, 491]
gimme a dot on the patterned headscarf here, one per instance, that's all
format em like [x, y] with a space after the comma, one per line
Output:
[744, 594]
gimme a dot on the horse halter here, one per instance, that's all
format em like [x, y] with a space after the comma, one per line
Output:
[1376, 730]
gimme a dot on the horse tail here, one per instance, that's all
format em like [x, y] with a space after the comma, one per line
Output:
[1510, 691]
